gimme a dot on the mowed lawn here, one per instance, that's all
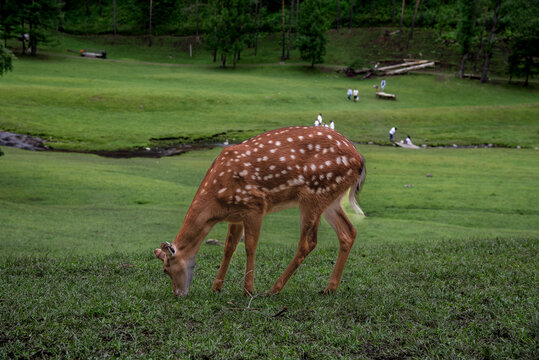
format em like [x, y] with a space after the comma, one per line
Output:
[444, 266]
[91, 104]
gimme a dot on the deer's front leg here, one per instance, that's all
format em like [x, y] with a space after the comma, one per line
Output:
[232, 239]
[252, 224]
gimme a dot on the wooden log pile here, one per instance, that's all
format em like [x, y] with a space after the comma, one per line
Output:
[402, 68]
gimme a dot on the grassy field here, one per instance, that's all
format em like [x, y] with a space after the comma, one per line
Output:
[81, 104]
[445, 268]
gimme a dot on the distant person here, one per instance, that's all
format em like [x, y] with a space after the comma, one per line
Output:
[356, 95]
[383, 85]
[326, 124]
[332, 125]
[392, 133]
[349, 94]
[316, 123]
[408, 141]
[320, 118]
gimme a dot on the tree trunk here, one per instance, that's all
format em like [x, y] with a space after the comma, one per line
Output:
[289, 29]
[100, 8]
[402, 18]
[297, 22]
[196, 9]
[488, 55]
[259, 9]
[150, 37]
[421, 7]
[436, 13]
[372, 10]
[411, 34]
[351, 14]
[481, 39]
[114, 17]
[338, 19]
[462, 61]
[284, 31]
[87, 8]
[393, 12]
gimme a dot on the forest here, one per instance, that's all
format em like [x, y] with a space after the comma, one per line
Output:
[226, 27]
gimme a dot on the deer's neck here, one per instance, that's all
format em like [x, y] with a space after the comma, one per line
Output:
[196, 225]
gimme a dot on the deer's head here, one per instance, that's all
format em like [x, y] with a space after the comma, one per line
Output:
[179, 269]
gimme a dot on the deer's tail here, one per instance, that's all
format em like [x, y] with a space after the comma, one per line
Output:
[353, 197]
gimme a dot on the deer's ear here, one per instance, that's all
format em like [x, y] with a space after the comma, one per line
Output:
[168, 249]
[160, 254]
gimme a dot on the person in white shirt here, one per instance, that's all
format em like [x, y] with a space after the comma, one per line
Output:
[332, 125]
[320, 118]
[408, 141]
[392, 133]
[356, 95]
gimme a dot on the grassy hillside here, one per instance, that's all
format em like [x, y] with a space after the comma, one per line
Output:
[90, 104]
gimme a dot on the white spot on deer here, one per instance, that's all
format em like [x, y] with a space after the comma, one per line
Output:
[272, 167]
[215, 181]
[237, 198]
[328, 163]
[255, 150]
[273, 151]
[293, 150]
[317, 147]
[313, 167]
[321, 167]
[289, 139]
[292, 157]
[321, 177]
[330, 137]
[345, 160]
[282, 158]
[338, 179]
[329, 175]
[302, 151]
[300, 137]
[310, 135]
[247, 164]
[349, 172]
[261, 146]
[282, 187]
[277, 143]
[270, 142]
[338, 161]
[221, 173]
[221, 191]
[332, 149]
[243, 173]
[283, 172]
[248, 187]
[265, 158]
[318, 133]
[310, 146]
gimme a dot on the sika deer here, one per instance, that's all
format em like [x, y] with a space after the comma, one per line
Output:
[309, 167]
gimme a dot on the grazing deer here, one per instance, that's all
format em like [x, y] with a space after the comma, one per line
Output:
[309, 167]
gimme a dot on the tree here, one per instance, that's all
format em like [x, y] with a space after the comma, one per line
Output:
[114, 17]
[338, 19]
[150, 26]
[284, 31]
[230, 29]
[465, 30]
[6, 58]
[351, 15]
[411, 33]
[490, 44]
[312, 29]
[402, 18]
[35, 18]
[522, 22]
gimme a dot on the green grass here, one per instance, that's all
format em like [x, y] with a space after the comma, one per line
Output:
[82, 104]
[446, 268]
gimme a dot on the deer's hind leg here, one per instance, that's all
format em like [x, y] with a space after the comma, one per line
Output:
[346, 233]
[232, 239]
[310, 220]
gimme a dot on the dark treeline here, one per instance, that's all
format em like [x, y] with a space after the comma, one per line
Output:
[229, 26]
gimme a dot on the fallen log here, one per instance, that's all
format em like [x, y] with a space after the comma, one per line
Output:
[383, 95]
[406, 63]
[410, 68]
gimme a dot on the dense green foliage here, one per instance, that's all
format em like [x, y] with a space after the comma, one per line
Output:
[231, 26]
[445, 268]
[312, 39]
